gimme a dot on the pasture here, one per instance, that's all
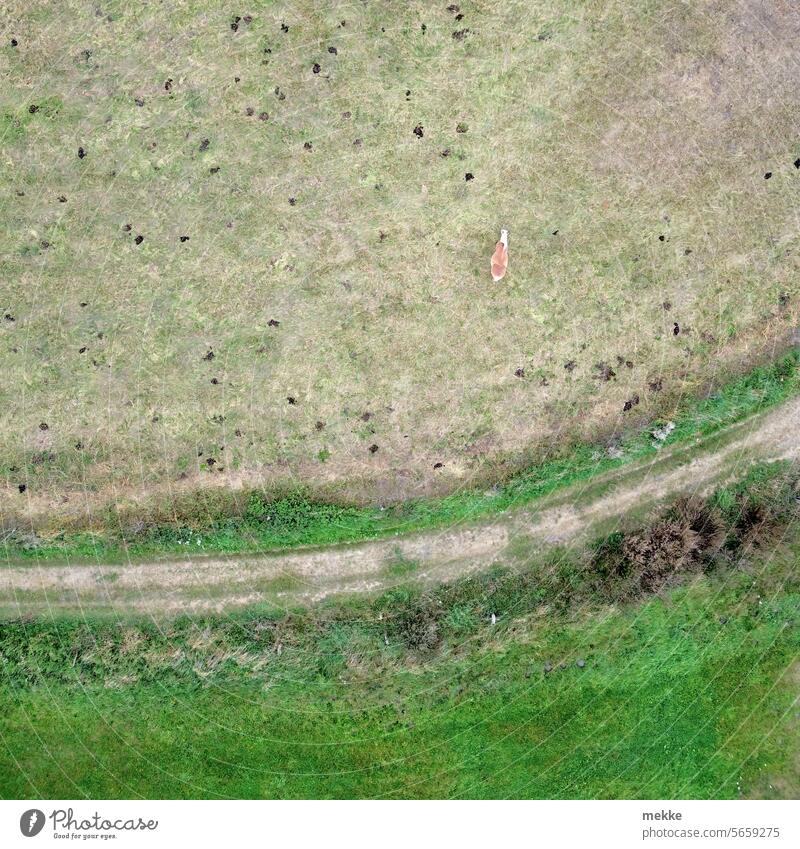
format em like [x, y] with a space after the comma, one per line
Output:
[251, 247]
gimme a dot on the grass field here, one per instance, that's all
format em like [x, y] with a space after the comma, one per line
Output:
[585, 687]
[245, 306]
[252, 521]
[330, 319]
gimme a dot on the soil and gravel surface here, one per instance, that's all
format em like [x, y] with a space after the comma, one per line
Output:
[201, 583]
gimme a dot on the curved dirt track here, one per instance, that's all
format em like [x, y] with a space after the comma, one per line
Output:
[214, 583]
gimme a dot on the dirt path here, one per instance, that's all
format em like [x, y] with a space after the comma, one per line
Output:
[214, 583]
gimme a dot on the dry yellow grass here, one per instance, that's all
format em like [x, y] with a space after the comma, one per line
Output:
[624, 145]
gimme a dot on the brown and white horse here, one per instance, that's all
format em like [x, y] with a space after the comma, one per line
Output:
[500, 257]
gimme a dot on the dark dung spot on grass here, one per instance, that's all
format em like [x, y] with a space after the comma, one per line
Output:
[62, 198]
[273, 323]
[82, 350]
[570, 366]
[292, 400]
[662, 238]
[357, 143]
[630, 403]
[520, 372]
[14, 42]
[783, 299]
[214, 169]
[604, 372]
[184, 238]
[446, 152]
[315, 68]
[33, 109]
[249, 111]
[292, 201]
[284, 28]
[139, 239]
[127, 228]
[204, 145]
[81, 153]
[797, 163]
[469, 176]
[333, 51]
[235, 23]
[676, 329]
[373, 448]
[44, 426]
[459, 16]
[461, 127]
[460, 35]
[138, 101]
[22, 487]
[319, 425]
[214, 381]
[667, 306]
[365, 417]
[308, 146]
[209, 355]
[263, 116]
[168, 85]
[418, 131]
[9, 317]
[768, 175]
[438, 465]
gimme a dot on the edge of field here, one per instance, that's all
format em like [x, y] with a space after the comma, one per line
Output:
[250, 521]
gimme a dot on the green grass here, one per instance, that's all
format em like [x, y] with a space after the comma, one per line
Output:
[370, 295]
[687, 695]
[296, 520]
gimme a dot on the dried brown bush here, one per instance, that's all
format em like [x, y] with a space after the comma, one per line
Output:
[687, 539]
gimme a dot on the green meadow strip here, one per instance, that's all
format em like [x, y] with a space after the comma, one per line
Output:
[295, 520]
[690, 689]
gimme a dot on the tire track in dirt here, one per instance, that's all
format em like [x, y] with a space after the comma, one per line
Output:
[216, 583]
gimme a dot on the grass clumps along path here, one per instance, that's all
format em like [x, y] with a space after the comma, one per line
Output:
[253, 522]
[588, 685]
